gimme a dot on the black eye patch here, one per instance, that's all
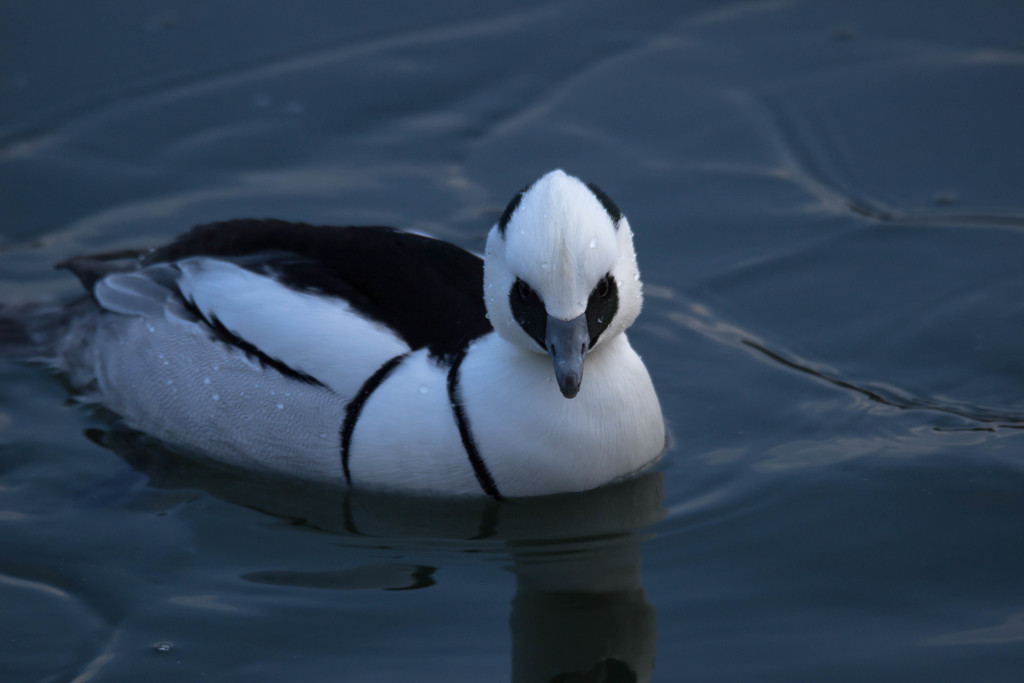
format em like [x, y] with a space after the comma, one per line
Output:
[601, 307]
[528, 310]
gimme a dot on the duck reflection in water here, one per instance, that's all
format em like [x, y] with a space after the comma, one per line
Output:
[579, 612]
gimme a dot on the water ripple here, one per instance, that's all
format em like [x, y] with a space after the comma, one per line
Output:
[700, 319]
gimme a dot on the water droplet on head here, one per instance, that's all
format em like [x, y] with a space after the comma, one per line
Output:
[216, 397]
[593, 243]
[206, 380]
[544, 265]
[280, 406]
[424, 389]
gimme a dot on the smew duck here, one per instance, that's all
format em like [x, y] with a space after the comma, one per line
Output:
[381, 358]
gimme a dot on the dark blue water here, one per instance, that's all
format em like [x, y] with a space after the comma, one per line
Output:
[828, 200]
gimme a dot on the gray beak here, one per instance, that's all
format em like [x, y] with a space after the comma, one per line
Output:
[567, 342]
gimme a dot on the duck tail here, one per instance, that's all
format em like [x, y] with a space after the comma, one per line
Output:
[31, 331]
[14, 338]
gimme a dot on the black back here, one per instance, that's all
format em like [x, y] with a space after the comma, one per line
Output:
[428, 291]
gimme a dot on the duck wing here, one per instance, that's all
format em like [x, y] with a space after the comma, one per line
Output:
[429, 292]
[325, 305]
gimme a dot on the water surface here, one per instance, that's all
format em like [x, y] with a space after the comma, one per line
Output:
[829, 219]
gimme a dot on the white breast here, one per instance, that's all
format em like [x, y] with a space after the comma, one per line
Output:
[535, 441]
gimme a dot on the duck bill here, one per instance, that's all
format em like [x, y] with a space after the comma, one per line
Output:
[567, 342]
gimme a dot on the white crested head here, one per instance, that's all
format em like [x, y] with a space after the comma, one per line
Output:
[561, 250]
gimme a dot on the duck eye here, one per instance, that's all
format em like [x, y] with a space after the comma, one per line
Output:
[604, 287]
[526, 294]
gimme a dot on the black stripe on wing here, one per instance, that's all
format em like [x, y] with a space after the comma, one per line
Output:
[428, 291]
[226, 336]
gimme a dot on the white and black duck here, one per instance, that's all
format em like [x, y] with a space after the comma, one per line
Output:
[382, 358]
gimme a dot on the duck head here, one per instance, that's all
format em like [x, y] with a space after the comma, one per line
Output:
[560, 273]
